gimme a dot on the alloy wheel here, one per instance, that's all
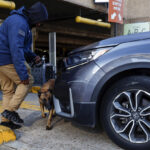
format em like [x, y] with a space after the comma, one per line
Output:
[130, 115]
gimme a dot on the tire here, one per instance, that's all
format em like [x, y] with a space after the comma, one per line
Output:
[125, 112]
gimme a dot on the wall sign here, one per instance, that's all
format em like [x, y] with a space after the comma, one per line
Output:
[115, 13]
[136, 28]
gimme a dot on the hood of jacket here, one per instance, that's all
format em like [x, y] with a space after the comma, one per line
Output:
[20, 12]
[37, 13]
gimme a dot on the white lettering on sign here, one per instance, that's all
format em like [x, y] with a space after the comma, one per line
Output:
[116, 4]
[136, 28]
[116, 8]
[119, 1]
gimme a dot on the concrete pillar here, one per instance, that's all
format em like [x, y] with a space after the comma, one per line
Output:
[34, 37]
[52, 50]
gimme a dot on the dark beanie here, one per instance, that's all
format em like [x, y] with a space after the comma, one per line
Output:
[37, 13]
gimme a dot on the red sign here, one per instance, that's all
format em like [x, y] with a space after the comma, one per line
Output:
[115, 13]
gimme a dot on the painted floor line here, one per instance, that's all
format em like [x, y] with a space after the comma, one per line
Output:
[26, 105]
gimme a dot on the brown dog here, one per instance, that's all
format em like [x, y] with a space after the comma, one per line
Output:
[46, 100]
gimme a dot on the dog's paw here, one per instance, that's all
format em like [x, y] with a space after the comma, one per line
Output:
[49, 128]
[54, 116]
[44, 115]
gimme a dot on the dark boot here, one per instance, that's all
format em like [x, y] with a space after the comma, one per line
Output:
[12, 116]
[11, 125]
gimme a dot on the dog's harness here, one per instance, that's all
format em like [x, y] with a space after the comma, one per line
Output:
[49, 90]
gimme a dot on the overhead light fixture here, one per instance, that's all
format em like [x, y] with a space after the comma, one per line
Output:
[100, 20]
[101, 1]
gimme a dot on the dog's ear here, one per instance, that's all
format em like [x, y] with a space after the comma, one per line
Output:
[39, 94]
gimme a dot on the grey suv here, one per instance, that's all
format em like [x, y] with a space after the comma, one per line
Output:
[108, 82]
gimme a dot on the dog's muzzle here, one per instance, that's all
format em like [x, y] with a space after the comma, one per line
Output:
[47, 104]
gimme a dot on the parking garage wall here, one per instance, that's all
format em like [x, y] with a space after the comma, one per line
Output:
[136, 17]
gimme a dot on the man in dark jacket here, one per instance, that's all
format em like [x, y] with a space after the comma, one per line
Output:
[15, 74]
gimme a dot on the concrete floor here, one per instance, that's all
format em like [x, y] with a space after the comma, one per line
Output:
[64, 135]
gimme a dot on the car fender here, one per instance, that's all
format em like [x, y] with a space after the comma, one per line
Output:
[111, 72]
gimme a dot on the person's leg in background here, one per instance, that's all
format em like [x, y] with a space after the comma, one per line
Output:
[7, 87]
[21, 89]
[16, 98]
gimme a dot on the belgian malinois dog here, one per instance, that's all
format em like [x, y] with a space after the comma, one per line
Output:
[46, 101]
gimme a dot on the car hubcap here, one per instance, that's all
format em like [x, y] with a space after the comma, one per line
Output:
[130, 115]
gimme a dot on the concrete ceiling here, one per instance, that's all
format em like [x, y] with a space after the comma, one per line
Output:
[62, 21]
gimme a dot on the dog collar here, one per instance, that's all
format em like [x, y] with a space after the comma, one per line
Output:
[50, 90]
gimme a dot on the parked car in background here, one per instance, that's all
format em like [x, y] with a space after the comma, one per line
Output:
[108, 82]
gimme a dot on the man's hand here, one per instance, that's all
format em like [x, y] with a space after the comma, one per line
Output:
[37, 59]
[25, 82]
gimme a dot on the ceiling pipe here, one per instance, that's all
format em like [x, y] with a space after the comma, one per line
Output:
[92, 22]
[7, 4]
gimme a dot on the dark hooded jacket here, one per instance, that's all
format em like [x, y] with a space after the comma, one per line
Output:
[15, 41]
[36, 13]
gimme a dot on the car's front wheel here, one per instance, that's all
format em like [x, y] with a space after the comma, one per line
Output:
[125, 112]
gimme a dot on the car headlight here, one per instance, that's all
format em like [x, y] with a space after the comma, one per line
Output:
[84, 57]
